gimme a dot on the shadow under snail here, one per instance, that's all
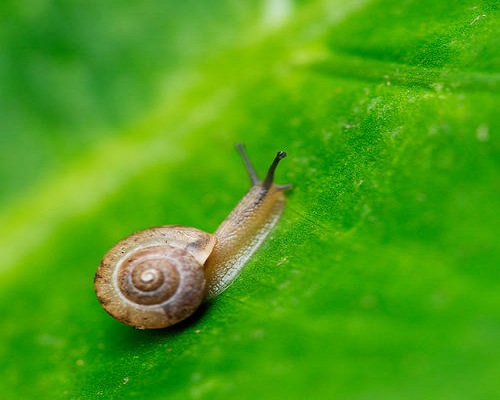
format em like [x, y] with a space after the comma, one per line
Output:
[159, 276]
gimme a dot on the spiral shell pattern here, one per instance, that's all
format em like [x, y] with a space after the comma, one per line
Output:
[149, 276]
[150, 280]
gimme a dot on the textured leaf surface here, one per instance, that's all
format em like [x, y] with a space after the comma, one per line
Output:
[381, 280]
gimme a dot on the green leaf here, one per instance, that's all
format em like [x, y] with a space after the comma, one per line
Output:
[380, 281]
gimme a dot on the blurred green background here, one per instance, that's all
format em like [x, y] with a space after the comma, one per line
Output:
[381, 281]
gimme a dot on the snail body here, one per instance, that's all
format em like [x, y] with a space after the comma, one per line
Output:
[159, 276]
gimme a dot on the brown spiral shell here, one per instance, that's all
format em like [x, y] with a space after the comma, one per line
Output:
[154, 278]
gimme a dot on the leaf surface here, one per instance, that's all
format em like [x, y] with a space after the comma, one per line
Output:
[381, 279]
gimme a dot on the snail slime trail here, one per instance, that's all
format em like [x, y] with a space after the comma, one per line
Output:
[159, 276]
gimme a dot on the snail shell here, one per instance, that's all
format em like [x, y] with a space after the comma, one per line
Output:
[154, 278]
[159, 276]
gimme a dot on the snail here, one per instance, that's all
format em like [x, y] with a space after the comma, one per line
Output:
[159, 276]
